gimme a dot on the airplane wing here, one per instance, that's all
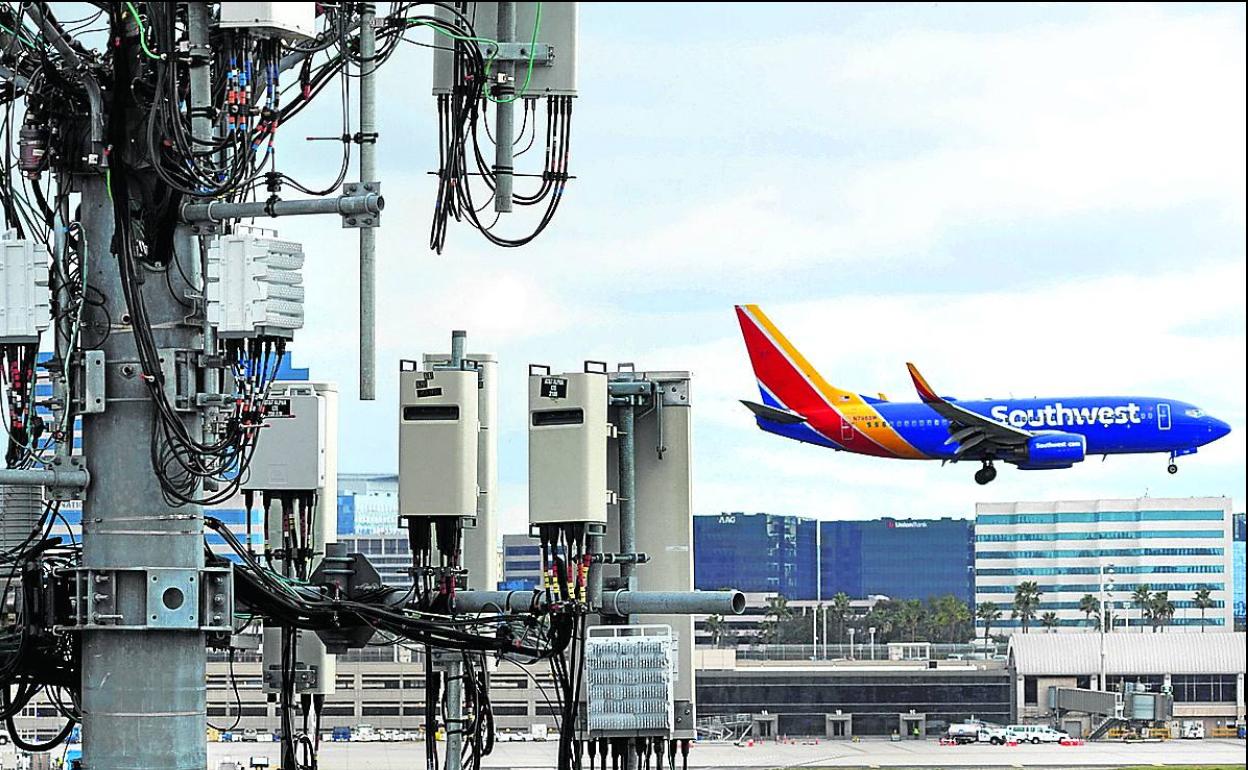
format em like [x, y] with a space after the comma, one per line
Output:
[974, 433]
[775, 415]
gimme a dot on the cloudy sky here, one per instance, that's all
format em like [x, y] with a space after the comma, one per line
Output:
[1043, 200]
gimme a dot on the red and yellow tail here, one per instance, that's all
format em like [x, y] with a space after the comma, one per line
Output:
[788, 381]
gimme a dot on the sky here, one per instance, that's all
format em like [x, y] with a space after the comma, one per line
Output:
[1023, 200]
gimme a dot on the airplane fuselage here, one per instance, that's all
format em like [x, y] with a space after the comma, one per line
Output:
[1110, 425]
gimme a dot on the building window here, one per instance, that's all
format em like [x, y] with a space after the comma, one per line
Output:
[1029, 691]
[1203, 688]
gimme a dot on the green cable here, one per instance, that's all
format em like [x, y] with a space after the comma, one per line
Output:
[18, 35]
[134, 14]
[528, 75]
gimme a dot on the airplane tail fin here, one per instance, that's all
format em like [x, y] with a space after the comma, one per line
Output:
[786, 379]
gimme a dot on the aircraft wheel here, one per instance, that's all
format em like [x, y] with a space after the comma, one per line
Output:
[1172, 468]
[985, 475]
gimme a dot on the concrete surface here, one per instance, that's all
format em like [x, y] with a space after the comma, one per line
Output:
[866, 754]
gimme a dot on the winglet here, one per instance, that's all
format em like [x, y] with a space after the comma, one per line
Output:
[920, 384]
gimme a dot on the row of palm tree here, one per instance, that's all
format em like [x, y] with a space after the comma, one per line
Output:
[1155, 607]
[947, 618]
[940, 619]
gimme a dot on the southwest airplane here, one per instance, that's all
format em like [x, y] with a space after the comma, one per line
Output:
[1031, 433]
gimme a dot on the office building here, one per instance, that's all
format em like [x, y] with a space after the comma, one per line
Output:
[522, 563]
[897, 558]
[756, 552]
[1240, 560]
[1176, 545]
[368, 503]
[390, 554]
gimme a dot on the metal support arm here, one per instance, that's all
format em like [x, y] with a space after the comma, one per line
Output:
[348, 206]
[67, 478]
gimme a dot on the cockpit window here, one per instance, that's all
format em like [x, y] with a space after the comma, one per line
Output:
[1194, 413]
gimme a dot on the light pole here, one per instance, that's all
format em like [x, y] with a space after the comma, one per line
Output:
[825, 632]
[851, 642]
[871, 631]
[1105, 575]
[814, 633]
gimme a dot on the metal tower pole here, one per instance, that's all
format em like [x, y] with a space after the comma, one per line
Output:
[143, 700]
[368, 176]
[504, 89]
[143, 689]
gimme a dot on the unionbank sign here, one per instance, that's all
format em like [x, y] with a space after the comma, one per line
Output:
[1056, 415]
[894, 524]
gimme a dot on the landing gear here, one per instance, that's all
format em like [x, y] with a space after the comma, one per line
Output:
[986, 474]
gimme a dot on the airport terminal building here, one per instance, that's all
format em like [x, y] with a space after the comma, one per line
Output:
[1177, 545]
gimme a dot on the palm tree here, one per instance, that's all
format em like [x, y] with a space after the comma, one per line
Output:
[990, 613]
[1161, 610]
[1026, 602]
[1142, 598]
[718, 629]
[951, 612]
[1049, 620]
[778, 613]
[1203, 601]
[1090, 605]
[911, 616]
[840, 609]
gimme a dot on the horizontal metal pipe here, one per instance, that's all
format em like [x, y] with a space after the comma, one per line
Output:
[345, 205]
[52, 477]
[673, 603]
[494, 601]
[630, 387]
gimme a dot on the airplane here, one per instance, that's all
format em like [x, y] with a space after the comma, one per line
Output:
[1031, 433]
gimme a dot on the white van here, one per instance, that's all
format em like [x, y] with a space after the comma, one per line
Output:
[1036, 734]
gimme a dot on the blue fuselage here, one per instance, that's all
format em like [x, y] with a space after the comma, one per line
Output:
[1110, 425]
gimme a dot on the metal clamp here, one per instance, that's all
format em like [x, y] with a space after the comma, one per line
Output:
[543, 55]
[307, 677]
[179, 369]
[90, 393]
[150, 598]
[367, 218]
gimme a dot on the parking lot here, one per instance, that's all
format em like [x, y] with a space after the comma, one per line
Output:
[865, 754]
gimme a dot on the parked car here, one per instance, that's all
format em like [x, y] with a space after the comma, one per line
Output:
[250, 734]
[1036, 734]
[340, 734]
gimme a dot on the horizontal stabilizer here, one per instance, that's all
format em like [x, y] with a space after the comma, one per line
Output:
[775, 415]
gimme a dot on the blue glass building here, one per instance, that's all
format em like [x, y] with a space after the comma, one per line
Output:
[898, 558]
[756, 552]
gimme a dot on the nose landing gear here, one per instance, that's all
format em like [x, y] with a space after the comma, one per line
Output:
[986, 474]
[1172, 468]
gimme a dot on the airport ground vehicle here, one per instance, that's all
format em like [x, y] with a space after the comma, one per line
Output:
[365, 734]
[1192, 729]
[250, 734]
[1035, 734]
[966, 732]
[341, 734]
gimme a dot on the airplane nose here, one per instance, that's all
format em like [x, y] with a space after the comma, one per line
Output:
[1218, 428]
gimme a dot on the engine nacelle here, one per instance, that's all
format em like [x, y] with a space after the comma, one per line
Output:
[1052, 450]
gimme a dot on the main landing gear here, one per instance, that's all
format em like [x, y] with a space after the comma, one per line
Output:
[986, 474]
